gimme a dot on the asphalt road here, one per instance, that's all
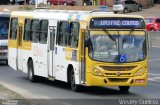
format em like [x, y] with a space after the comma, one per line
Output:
[150, 12]
[44, 89]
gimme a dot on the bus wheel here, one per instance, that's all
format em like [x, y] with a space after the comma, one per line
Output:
[31, 75]
[124, 89]
[74, 86]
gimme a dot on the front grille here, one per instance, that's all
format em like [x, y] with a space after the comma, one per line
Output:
[110, 74]
[118, 68]
[117, 79]
[114, 74]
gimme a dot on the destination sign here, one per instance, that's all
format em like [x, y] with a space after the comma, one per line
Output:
[121, 23]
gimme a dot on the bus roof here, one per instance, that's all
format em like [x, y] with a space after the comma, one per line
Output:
[67, 14]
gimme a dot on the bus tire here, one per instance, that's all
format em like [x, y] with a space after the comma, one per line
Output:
[74, 86]
[124, 89]
[31, 75]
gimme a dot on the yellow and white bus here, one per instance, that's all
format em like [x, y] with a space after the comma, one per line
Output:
[87, 48]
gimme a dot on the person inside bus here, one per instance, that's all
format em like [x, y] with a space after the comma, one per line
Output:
[73, 39]
[4, 30]
[132, 45]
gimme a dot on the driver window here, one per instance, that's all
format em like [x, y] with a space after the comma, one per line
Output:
[74, 35]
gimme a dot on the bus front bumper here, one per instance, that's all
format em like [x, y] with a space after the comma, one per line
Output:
[92, 80]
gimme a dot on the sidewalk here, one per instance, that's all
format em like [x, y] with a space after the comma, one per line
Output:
[8, 97]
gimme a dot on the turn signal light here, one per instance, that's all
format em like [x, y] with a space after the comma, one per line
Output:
[140, 72]
[96, 72]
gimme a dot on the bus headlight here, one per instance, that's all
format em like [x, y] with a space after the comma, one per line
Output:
[140, 72]
[96, 72]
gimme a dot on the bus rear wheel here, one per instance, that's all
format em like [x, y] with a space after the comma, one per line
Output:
[124, 89]
[31, 75]
[74, 86]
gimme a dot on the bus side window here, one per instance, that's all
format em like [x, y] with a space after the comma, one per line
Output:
[27, 30]
[13, 28]
[43, 31]
[63, 33]
[74, 35]
[35, 30]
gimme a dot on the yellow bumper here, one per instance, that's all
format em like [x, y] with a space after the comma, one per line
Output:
[92, 80]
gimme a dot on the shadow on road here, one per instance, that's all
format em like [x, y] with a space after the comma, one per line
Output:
[100, 91]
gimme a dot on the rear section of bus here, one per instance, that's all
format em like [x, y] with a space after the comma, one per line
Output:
[4, 26]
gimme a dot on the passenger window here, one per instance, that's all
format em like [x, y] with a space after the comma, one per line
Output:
[133, 2]
[27, 30]
[74, 35]
[63, 33]
[35, 31]
[158, 20]
[43, 31]
[127, 2]
[13, 28]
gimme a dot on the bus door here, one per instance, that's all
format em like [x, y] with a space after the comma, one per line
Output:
[19, 51]
[83, 71]
[51, 49]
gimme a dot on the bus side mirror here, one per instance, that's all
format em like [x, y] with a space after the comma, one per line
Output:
[86, 43]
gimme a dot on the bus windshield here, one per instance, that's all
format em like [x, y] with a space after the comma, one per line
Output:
[4, 25]
[117, 46]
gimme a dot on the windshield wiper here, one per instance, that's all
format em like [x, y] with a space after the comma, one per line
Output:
[111, 37]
